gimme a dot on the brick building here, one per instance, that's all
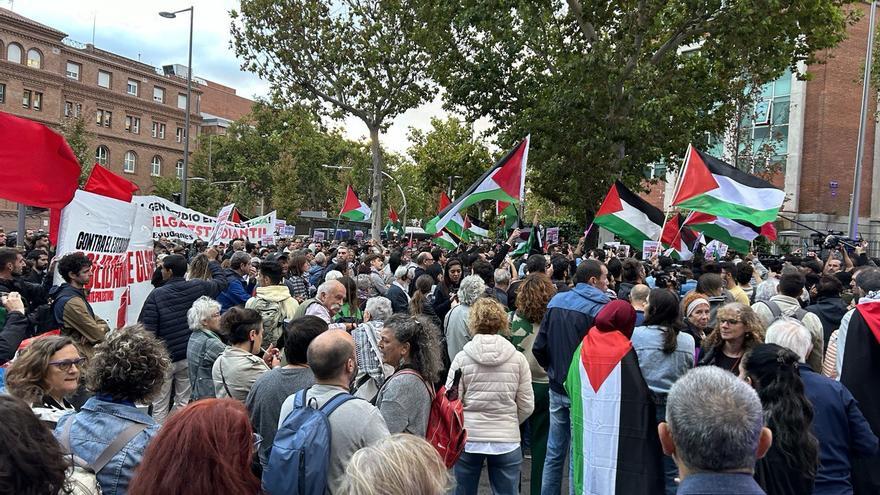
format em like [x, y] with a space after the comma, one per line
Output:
[815, 124]
[134, 112]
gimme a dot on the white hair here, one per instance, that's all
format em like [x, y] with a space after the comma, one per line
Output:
[379, 308]
[502, 276]
[792, 334]
[201, 310]
[328, 286]
[471, 288]
[402, 272]
[333, 275]
[766, 289]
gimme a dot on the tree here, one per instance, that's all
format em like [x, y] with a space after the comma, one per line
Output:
[448, 150]
[351, 57]
[77, 135]
[607, 87]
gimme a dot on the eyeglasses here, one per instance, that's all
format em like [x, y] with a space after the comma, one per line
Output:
[729, 321]
[65, 364]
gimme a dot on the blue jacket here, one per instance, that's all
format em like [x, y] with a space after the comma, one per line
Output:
[719, 484]
[569, 315]
[842, 431]
[237, 292]
[95, 427]
[164, 311]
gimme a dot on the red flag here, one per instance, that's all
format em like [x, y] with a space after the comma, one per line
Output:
[37, 166]
[106, 183]
[768, 230]
[392, 215]
[444, 201]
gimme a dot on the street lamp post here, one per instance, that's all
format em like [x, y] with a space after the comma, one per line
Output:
[184, 190]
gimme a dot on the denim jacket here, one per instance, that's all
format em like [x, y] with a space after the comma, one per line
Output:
[661, 370]
[95, 427]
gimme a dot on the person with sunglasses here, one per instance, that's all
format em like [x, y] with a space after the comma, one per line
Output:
[45, 374]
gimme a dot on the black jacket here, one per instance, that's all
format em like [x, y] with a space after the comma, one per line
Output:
[398, 298]
[830, 311]
[164, 311]
[16, 329]
[32, 294]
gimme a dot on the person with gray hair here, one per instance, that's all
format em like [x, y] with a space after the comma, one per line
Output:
[714, 430]
[502, 284]
[204, 346]
[240, 287]
[328, 301]
[838, 423]
[398, 293]
[455, 326]
[371, 372]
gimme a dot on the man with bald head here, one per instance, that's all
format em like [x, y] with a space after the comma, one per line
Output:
[328, 301]
[353, 425]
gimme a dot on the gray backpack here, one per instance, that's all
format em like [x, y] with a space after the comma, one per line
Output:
[82, 477]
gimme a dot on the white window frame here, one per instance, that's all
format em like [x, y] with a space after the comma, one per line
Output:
[129, 162]
[132, 84]
[73, 74]
[106, 152]
[109, 78]
[2, 93]
[26, 98]
[180, 135]
[178, 169]
[156, 166]
[179, 96]
[39, 59]
[161, 94]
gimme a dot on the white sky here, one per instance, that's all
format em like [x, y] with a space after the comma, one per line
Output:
[134, 29]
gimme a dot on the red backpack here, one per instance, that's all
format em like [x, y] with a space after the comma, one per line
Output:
[446, 431]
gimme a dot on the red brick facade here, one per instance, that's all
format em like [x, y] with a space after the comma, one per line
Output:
[222, 101]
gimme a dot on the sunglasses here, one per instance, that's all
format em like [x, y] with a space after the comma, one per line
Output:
[729, 321]
[65, 364]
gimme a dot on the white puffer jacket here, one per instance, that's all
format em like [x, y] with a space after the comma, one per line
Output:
[495, 387]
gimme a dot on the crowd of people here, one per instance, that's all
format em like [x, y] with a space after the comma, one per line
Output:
[741, 375]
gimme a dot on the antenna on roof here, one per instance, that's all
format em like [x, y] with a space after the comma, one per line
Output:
[94, 21]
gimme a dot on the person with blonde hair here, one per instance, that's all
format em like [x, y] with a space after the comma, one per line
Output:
[496, 392]
[400, 464]
[737, 330]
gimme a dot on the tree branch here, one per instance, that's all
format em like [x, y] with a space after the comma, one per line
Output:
[586, 27]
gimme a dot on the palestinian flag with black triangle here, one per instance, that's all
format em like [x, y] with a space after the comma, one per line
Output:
[629, 217]
[736, 234]
[708, 185]
[502, 182]
[444, 240]
[394, 224]
[677, 239]
[614, 441]
[353, 208]
[859, 373]
[508, 214]
[475, 228]
[533, 243]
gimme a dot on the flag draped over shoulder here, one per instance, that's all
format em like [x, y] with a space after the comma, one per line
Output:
[708, 185]
[677, 239]
[503, 182]
[353, 208]
[37, 166]
[736, 234]
[629, 217]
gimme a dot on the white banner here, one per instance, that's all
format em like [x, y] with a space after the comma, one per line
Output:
[118, 238]
[184, 225]
[222, 220]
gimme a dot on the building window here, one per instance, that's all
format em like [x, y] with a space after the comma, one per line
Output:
[156, 166]
[158, 94]
[73, 70]
[102, 155]
[104, 118]
[2, 93]
[181, 101]
[38, 101]
[13, 53]
[181, 135]
[104, 79]
[178, 169]
[34, 58]
[72, 109]
[130, 162]
[132, 87]
[158, 130]
[26, 98]
[133, 124]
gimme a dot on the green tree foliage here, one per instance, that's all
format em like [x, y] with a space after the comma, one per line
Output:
[77, 135]
[349, 57]
[606, 87]
[448, 149]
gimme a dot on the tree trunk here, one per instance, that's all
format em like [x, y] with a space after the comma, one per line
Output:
[376, 204]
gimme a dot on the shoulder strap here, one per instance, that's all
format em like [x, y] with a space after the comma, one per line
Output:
[65, 435]
[408, 371]
[118, 443]
[223, 379]
[299, 399]
[335, 402]
[774, 308]
[800, 313]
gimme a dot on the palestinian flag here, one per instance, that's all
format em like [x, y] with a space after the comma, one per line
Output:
[629, 217]
[859, 372]
[353, 208]
[508, 214]
[615, 445]
[532, 244]
[708, 185]
[456, 222]
[475, 228]
[444, 240]
[502, 182]
[393, 224]
[677, 239]
[738, 235]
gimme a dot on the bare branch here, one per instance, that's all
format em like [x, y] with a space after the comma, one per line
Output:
[586, 27]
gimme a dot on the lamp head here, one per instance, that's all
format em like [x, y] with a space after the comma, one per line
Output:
[168, 15]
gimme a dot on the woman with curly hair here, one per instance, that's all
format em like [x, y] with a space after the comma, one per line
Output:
[410, 345]
[44, 375]
[737, 330]
[32, 461]
[215, 438]
[496, 392]
[128, 368]
[534, 293]
[791, 463]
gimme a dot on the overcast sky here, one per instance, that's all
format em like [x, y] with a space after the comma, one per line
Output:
[135, 30]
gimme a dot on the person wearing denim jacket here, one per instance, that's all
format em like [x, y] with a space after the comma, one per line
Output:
[129, 367]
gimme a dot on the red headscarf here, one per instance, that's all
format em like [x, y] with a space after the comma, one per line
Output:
[616, 315]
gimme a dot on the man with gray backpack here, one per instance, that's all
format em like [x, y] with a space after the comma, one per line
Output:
[322, 426]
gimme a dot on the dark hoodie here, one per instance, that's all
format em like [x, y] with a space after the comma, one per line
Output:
[830, 310]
